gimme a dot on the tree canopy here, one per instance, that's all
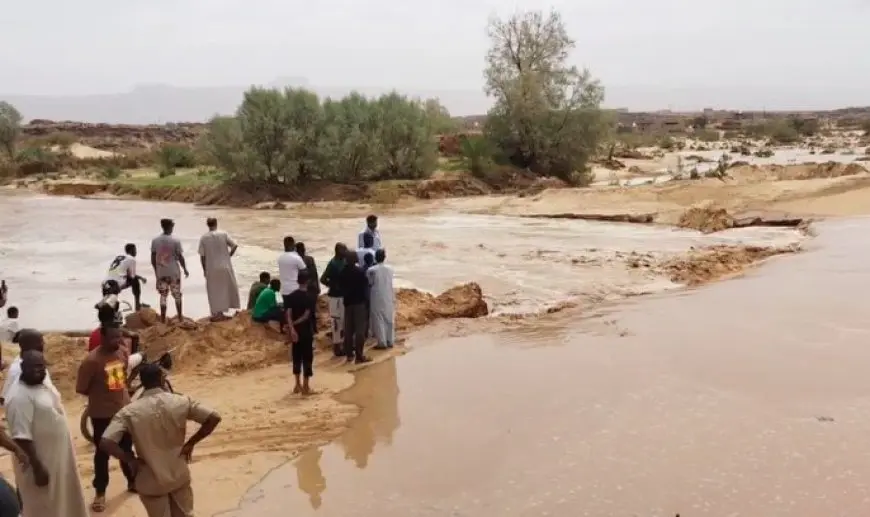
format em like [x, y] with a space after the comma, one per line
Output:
[546, 115]
[10, 128]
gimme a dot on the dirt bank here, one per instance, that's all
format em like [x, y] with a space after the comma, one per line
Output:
[240, 345]
[705, 265]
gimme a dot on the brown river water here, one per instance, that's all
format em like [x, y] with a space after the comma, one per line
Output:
[743, 398]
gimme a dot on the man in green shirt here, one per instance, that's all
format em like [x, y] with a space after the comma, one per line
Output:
[257, 288]
[266, 307]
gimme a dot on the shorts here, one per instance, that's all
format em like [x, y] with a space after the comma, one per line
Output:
[302, 353]
[167, 285]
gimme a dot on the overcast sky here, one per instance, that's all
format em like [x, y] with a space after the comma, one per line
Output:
[683, 53]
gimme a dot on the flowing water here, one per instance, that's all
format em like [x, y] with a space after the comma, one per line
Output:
[745, 398]
[54, 252]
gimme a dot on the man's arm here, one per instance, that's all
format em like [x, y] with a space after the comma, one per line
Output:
[207, 418]
[19, 414]
[84, 377]
[232, 244]
[9, 444]
[327, 274]
[112, 438]
[201, 253]
[360, 241]
[179, 256]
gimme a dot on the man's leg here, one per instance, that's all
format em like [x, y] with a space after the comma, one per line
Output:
[349, 331]
[126, 444]
[307, 363]
[391, 330]
[181, 502]
[336, 313]
[361, 328]
[136, 289]
[156, 506]
[101, 465]
[163, 292]
[296, 355]
[175, 289]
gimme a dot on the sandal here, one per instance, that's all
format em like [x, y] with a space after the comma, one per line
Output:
[99, 504]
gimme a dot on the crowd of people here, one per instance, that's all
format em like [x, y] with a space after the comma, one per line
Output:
[147, 435]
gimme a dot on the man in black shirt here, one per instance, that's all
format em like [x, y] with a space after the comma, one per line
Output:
[355, 289]
[301, 308]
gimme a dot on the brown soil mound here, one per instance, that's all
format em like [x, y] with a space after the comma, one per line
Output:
[705, 265]
[453, 186]
[706, 219]
[120, 136]
[239, 344]
[803, 171]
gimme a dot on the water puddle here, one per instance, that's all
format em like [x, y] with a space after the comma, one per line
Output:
[55, 250]
[745, 398]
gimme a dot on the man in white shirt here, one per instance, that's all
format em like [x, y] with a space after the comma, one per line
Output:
[9, 326]
[371, 229]
[28, 339]
[289, 266]
[123, 271]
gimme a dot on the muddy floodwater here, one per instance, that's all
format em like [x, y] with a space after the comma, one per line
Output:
[54, 252]
[746, 398]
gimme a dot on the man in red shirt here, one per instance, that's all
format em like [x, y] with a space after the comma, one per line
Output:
[106, 315]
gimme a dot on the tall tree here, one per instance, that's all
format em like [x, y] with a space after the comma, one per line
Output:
[10, 128]
[546, 115]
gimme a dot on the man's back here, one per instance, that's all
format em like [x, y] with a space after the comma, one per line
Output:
[289, 266]
[215, 247]
[157, 421]
[166, 249]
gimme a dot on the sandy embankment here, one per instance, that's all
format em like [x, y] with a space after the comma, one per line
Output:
[241, 369]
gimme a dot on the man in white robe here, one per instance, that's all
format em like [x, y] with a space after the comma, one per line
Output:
[50, 485]
[28, 339]
[216, 249]
[383, 301]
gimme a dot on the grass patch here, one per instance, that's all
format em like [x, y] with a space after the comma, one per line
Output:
[147, 178]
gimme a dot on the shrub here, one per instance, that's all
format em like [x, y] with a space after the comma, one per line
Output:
[707, 135]
[477, 151]
[110, 172]
[37, 160]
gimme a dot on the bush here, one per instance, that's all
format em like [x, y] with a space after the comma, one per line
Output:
[37, 160]
[706, 135]
[291, 137]
[764, 153]
[477, 151]
[110, 172]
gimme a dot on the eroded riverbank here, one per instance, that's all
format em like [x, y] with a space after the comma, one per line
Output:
[745, 398]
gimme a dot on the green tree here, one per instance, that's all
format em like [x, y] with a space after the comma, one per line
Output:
[546, 115]
[478, 154]
[408, 146]
[10, 128]
[439, 118]
[350, 145]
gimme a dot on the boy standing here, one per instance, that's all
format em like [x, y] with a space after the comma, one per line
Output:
[9, 326]
[300, 306]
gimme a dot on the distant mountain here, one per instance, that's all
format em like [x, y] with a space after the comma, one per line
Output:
[159, 103]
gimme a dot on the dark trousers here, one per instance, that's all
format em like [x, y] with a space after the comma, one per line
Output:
[302, 353]
[356, 326]
[276, 314]
[101, 459]
[10, 501]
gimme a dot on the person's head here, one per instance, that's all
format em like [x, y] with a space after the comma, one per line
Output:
[12, 312]
[167, 225]
[351, 258]
[32, 367]
[106, 314]
[302, 279]
[340, 250]
[289, 243]
[265, 277]
[151, 376]
[30, 339]
[368, 260]
[300, 248]
[211, 222]
[111, 287]
[111, 337]
[130, 249]
[368, 240]
[372, 222]
[380, 256]
[275, 285]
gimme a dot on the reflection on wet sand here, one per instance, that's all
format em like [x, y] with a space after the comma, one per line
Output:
[746, 398]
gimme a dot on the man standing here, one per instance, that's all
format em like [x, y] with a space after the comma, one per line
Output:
[102, 377]
[4, 293]
[299, 306]
[383, 301]
[216, 249]
[371, 229]
[367, 249]
[313, 282]
[9, 326]
[332, 279]
[355, 286]
[157, 422]
[50, 485]
[289, 266]
[28, 339]
[123, 271]
[167, 259]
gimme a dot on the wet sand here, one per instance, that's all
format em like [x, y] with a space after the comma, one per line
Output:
[744, 398]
